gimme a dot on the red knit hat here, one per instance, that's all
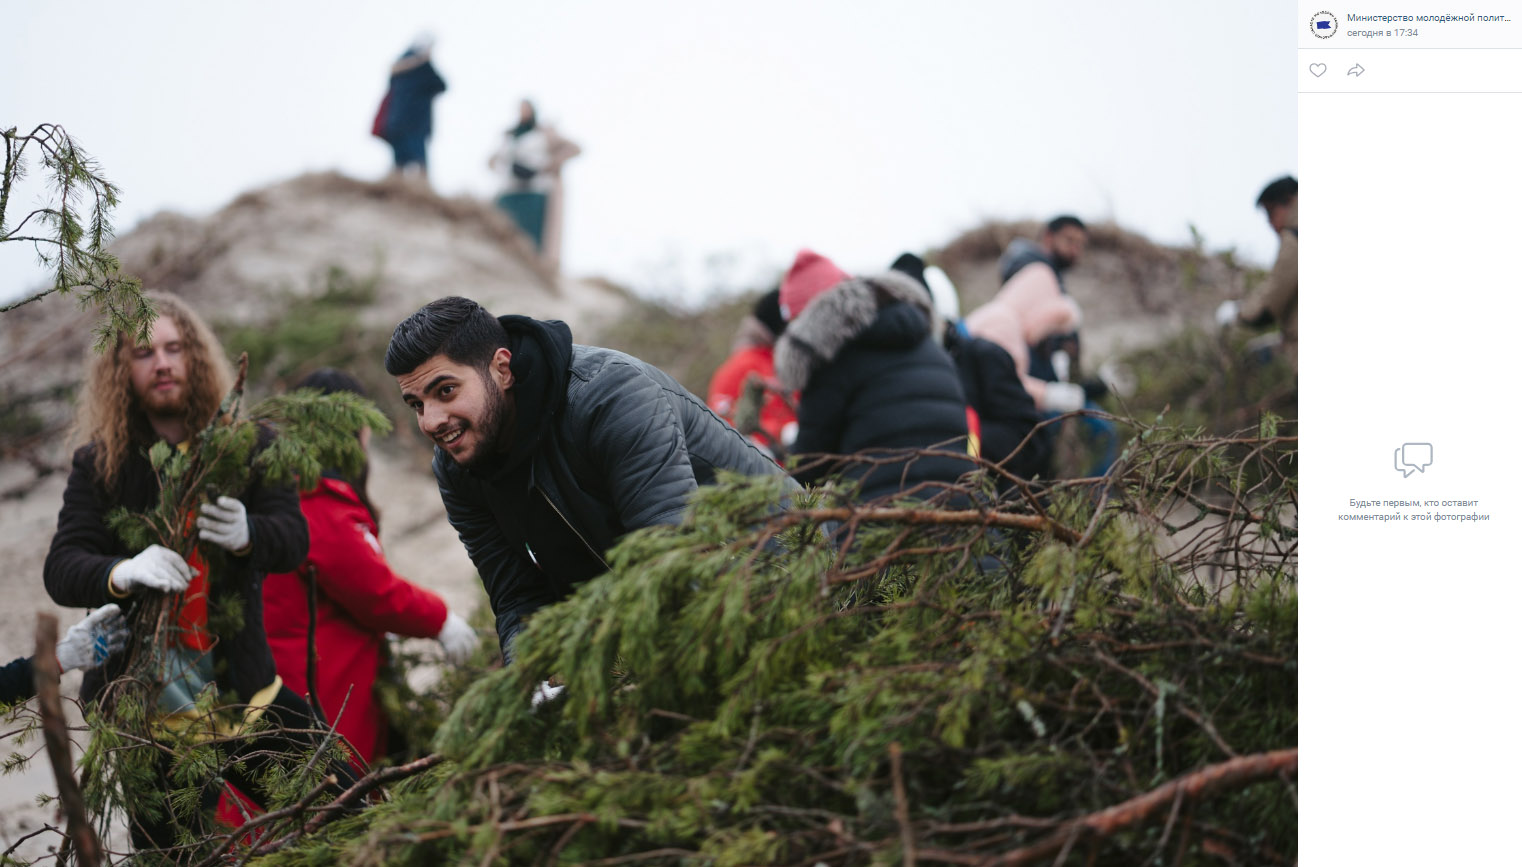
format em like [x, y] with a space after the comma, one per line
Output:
[810, 276]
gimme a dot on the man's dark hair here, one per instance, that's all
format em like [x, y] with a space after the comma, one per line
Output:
[458, 327]
[1279, 192]
[1057, 224]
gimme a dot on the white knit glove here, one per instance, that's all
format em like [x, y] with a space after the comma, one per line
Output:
[458, 639]
[1226, 314]
[1062, 397]
[225, 522]
[156, 568]
[545, 692]
[90, 641]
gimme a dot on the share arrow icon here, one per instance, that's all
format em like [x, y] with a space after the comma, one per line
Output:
[1356, 70]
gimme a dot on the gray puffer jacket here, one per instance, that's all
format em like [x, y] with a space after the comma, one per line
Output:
[606, 444]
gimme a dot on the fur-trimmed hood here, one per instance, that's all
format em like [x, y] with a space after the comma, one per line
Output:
[840, 315]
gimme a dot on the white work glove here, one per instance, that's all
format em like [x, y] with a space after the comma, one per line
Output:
[90, 641]
[1062, 397]
[1118, 378]
[545, 692]
[458, 639]
[156, 568]
[1226, 314]
[225, 523]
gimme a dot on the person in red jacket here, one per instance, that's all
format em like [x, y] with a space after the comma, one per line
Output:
[751, 359]
[358, 600]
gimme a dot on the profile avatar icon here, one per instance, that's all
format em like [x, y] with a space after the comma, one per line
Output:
[1324, 25]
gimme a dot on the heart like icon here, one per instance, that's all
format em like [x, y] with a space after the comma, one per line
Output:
[1317, 69]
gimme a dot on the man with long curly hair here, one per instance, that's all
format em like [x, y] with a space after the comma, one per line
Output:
[168, 389]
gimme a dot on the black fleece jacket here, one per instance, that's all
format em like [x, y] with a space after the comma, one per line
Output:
[84, 551]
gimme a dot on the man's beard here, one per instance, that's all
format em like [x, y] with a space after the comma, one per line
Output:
[172, 405]
[1061, 262]
[498, 417]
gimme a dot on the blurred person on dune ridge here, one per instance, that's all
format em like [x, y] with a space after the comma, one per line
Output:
[346, 581]
[405, 120]
[533, 194]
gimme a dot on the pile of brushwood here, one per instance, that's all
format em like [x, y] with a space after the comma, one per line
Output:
[1106, 671]
[1101, 671]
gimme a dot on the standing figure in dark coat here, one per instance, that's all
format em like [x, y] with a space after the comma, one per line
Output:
[166, 390]
[873, 383]
[409, 106]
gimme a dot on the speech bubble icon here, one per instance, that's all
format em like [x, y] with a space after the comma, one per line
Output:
[1413, 457]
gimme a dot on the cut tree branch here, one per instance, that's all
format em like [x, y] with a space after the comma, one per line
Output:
[55, 733]
[1192, 786]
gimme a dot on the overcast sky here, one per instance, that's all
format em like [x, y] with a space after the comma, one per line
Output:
[858, 129]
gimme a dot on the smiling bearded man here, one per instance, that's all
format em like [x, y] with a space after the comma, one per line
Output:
[546, 452]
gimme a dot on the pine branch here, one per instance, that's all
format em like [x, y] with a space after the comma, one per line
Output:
[351, 797]
[894, 515]
[80, 258]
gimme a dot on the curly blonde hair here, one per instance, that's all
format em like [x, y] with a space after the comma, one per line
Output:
[110, 415]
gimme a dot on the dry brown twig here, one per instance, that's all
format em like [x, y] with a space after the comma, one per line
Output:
[55, 733]
[1231, 774]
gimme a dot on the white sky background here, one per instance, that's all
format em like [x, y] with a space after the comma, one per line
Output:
[857, 129]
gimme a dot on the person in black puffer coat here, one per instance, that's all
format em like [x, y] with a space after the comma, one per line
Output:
[1006, 412]
[873, 382]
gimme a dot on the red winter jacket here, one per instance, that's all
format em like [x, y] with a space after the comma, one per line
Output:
[729, 383]
[359, 599]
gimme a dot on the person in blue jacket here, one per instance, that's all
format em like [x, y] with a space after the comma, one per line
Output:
[409, 106]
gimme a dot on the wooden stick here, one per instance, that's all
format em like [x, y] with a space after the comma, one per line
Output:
[55, 732]
[901, 803]
[1225, 775]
